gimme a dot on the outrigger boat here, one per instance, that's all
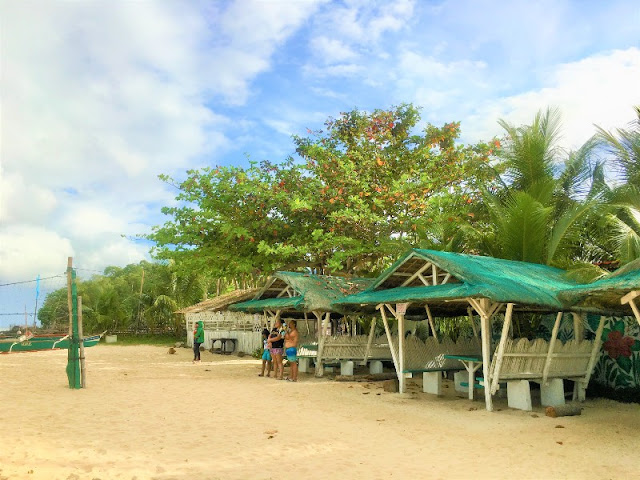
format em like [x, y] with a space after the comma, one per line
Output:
[31, 343]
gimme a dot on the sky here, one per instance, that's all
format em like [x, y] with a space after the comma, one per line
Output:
[100, 97]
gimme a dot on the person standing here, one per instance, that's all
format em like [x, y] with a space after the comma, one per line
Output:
[291, 350]
[276, 343]
[266, 355]
[198, 339]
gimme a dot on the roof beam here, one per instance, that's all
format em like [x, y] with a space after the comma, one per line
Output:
[415, 275]
[630, 296]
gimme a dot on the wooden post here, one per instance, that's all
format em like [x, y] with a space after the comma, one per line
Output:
[321, 340]
[394, 355]
[578, 330]
[485, 309]
[503, 340]
[372, 332]
[552, 344]
[83, 374]
[592, 360]
[69, 298]
[431, 324]
[401, 352]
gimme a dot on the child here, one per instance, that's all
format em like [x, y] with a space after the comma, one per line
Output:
[266, 356]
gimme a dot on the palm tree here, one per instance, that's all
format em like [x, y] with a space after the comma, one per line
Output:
[623, 222]
[538, 213]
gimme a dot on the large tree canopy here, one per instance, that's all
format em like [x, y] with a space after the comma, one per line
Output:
[356, 194]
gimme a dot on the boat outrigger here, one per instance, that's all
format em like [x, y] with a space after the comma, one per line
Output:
[31, 343]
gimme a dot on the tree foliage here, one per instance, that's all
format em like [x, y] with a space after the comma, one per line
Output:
[357, 194]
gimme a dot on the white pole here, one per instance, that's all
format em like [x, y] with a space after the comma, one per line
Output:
[503, 340]
[401, 352]
[394, 355]
[552, 343]
[369, 341]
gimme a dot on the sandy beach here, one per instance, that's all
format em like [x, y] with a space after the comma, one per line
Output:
[150, 415]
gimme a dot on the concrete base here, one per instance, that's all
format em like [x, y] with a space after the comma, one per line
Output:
[346, 367]
[432, 382]
[110, 338]
[375, 366]
[519, 395]
[552, 394]
[303, 364]
[458, 378]
[328, 369]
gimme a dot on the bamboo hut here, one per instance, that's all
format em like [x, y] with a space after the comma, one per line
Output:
[428, 285]
[310, 298]
[237, 330]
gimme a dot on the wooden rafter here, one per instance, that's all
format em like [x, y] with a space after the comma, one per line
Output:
[417, 274]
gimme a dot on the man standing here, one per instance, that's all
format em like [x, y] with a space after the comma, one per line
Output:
[291, 349]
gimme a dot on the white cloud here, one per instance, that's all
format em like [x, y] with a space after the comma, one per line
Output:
[331, 50]
[104, 96]
[28, 250]
[600, 89]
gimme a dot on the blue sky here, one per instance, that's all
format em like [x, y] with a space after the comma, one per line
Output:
[100, 97]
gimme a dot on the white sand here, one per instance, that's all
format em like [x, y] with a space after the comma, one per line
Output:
[150, 415]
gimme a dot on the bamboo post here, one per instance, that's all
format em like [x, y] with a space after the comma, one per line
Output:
[592, 360]
[431, 324]
[578, 330]
[83, 375]
[503, 340]
[394, 355]
[401, 352]
[552, 344]
[485, 309]
[73, 363]
[369, 341]
[69, 298]
[321, 340]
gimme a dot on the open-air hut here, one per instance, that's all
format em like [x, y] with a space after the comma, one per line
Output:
[237, 330]
[427, 284]
[617, 292]
[309, 297]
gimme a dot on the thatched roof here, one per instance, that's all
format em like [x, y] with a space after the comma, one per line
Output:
[307, 292]
[221, 302]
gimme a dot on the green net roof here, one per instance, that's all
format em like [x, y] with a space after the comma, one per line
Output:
[499, 280]
[310, 292]
[607, 291]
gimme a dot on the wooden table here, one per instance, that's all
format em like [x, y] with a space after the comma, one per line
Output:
[471, 364]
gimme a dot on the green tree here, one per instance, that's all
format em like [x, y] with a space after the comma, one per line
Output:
[359, 192]
[539, 211]
[623, 222]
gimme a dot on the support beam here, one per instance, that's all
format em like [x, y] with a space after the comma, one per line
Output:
[503, 340]
[369, 341]
[578, 329]
[415, 275]
[486, 309]
[552, 344]
[630, 296]
[434, 274]
[431, 323]
[592, 361]
[394, 354]
[321, 340]
[401, 352]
